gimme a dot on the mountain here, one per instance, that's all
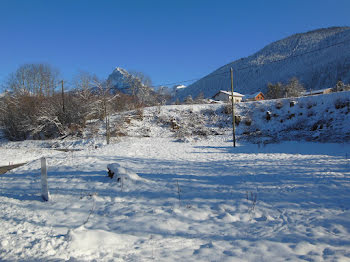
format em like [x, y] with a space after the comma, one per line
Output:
[121, 79]
[317, 58]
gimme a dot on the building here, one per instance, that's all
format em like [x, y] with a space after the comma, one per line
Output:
[318, 92]
[226, 96]
[254, 97]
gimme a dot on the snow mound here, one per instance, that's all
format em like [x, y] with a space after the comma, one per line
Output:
[122, 175]
[89, 244]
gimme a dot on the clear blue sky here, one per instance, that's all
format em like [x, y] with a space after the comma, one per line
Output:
[167, 40]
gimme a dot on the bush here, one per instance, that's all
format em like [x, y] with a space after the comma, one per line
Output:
[139, 113]
[182, 134]
[40, 117]
[279, 104]
[341, 103]
[291, 116]
[248, 122]
[310, 105]
[238, 120]
[340, 86]
[227, 109]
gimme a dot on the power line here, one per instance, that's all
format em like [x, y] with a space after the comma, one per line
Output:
[185, 81]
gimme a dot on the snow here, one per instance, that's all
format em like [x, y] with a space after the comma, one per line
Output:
[119, 79]
[121, 174]
[300, 212]
[179, 86]
[251, 95]
[230, 93]
[13, 156]
[317, 118]
[316, 92]
[202, 200]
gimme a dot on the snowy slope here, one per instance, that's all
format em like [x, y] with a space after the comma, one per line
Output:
[316, 70]
[323, 118]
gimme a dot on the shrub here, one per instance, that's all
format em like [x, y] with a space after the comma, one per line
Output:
[228, 109]
[238, 120]
[310, 113]
[291, 116]
[310, 104]
[279, 104]
[248, 121]
[139, 113]
[341, 103]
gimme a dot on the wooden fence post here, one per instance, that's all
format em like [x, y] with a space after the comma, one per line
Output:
[44, 188]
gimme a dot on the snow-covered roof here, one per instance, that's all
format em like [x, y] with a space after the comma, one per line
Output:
[230, 93]
[251, 95]
[319, 91]
[180, 86]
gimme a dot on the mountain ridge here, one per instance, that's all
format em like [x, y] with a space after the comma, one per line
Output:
[318, 58]
[120, 80]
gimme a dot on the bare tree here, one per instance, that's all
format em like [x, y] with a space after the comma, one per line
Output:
[85, 84]
[200, 98]
[28, 109]
[294, 88]
[140, 85]
[33, 79]
[340, 86]
[106, 98]
[188, 100]
[162, 95]
[25, 116]
[33, 109]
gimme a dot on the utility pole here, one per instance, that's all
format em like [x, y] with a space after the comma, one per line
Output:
[233, 112]
[44, 188]
[63, 108]
[107, 121]
[108, 134]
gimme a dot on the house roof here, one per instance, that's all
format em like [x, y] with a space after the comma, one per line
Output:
[229, 93]
[320, 91]
[252, 95]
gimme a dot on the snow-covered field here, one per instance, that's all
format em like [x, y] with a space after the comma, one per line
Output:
[196, 201]
[184, 193]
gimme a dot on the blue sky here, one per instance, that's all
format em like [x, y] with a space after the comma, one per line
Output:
[169, 41]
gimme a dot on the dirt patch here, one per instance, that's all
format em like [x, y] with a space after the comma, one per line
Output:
[4, 169]
[67, 149]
